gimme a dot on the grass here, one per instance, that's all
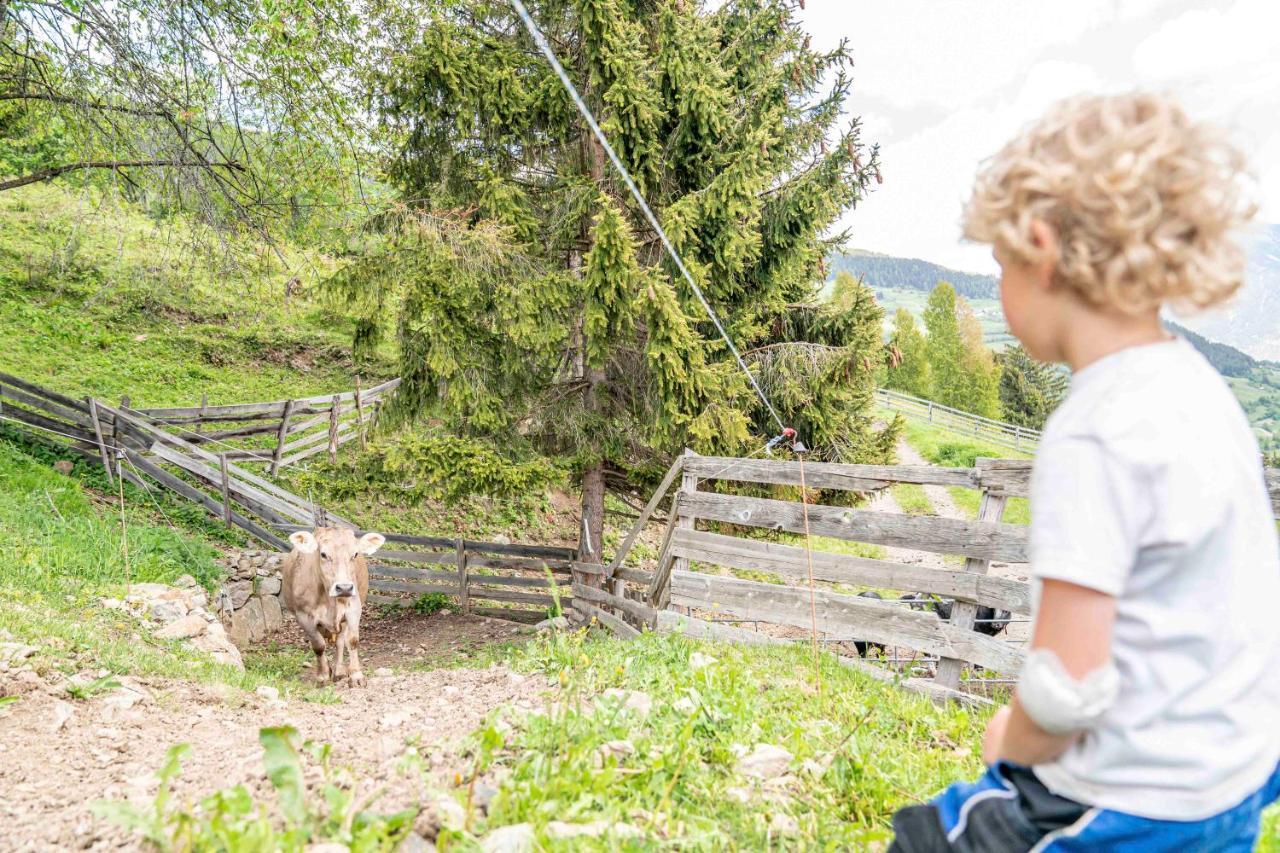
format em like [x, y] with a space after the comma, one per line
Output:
[912, 499]
[63, 553]
[860, 748]
[99, 299]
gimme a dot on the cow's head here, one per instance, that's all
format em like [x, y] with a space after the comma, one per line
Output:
[338, 549]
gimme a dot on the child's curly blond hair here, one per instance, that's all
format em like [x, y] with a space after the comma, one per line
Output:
[1144, 202]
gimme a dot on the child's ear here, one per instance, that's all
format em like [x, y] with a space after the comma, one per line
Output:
[1044, 238]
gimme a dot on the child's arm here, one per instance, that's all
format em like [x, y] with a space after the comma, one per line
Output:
[1075, 623]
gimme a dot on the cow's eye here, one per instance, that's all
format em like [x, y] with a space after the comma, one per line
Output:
[324, 555]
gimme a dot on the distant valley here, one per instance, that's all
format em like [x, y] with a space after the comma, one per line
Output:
[1242, 341]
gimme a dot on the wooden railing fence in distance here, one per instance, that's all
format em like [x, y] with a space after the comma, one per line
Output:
[962, 423]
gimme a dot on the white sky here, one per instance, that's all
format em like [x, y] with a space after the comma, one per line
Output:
[942, 84]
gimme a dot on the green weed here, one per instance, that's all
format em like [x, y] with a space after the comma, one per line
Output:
[230, 819]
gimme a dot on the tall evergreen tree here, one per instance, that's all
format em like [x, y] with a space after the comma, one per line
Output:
[1029, 390]
[944, 347]
[567, 327]
[981, 373]
[912, 373]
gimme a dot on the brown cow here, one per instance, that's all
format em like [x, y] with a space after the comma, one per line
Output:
[326, 580]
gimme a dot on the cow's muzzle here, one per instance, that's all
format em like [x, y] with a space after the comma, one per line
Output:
[342, 590]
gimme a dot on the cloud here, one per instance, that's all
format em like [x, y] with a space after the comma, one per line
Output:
[942, 85]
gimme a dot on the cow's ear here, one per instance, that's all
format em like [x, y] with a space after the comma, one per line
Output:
[304, 542]
[370, 542]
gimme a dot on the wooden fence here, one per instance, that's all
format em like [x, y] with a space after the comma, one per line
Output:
[679, 597]
[161, 448]
[991, 431]
[280, 433]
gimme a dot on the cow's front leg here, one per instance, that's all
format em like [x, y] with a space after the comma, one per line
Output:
[352, 636]
[312, 632]
[340, 643]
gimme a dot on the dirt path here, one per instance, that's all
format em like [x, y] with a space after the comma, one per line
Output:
[60, 755]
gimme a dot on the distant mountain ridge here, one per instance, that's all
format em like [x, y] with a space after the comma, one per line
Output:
[913, 274]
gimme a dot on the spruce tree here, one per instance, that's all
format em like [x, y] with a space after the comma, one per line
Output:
[1029, 390]
[912, 373]
[541, 310]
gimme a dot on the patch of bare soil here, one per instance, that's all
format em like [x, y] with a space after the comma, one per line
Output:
[407, 639]
[61, 755]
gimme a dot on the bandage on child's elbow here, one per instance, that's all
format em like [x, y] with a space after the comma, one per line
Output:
[1060, 704]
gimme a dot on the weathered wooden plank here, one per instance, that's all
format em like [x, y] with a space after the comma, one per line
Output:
[642, 612]
[272, 408]
[41, 422]
[645, 515]
[419, 575]
[487, 593]
[635, 576]
[824, 475]
[237, 432]
[343, 437]
[963, 613]
[191, 493]
[102, 445]
[549, 552]
[607, 619]
[1004, 476]
[475, 579]
[982, 540]
[441, 558]
[525, 564]
[845, 615]
[789, 561]
[414, 588]
[52, 396]
[213, 476]
[67, 413]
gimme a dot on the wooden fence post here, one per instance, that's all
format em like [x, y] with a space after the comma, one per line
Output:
[963, 612]
[464, 591]
[102, 445]
[115, 435]
[284, 428]
[359, 413]
[226, 489]
[334, 408]
[660, 585]
[204, 406]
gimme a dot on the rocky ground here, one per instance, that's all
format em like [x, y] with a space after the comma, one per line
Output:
[61, 754]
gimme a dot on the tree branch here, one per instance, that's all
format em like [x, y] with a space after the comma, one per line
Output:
[49, 174]
[76, 102]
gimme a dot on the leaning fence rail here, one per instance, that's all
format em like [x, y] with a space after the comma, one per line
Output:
[963, 423]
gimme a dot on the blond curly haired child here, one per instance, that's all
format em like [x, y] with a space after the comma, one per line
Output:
[1147, 715]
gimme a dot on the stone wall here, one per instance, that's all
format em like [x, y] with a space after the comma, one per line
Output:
[179, 612]
[249, 600]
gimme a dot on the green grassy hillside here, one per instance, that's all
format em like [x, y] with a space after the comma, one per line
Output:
[96, 298]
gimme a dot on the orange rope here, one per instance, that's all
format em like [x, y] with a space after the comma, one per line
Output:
[808, 555]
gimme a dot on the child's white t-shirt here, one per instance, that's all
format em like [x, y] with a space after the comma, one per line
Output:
[1148, 486]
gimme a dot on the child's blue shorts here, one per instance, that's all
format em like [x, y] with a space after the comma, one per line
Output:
[1008, 810]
